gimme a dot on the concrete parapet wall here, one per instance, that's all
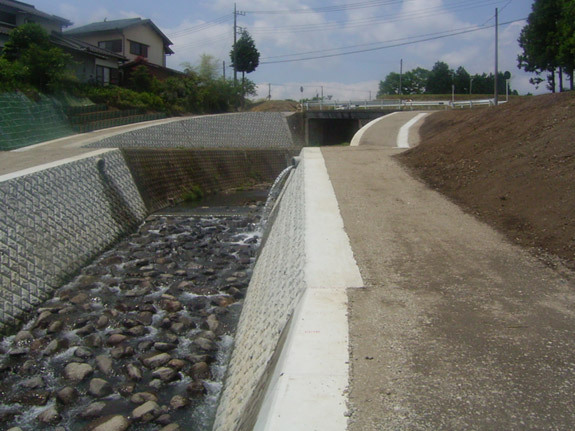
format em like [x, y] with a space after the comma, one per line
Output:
[275, 289]
[54, 221]
[163, 174]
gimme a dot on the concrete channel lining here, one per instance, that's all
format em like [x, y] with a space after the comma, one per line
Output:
[291, 352]
[56, 218]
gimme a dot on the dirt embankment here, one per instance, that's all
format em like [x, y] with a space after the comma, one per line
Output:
[275, 106]
[513, 166]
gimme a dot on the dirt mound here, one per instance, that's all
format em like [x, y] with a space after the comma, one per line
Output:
[513, 166]
[275, 106]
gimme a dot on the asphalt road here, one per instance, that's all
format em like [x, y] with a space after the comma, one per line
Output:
[457, 329]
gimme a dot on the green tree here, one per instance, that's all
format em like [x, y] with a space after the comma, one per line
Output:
[540, 41]
[209, 68]
[12, 75]
[390, 85]
[566, 28]
[415, 81]
[141, 80]
[23, 38]
[244, 54]
[440, 79]
[461, 80]
[44, 65]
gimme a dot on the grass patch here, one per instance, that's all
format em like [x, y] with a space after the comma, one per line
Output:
[193, 194]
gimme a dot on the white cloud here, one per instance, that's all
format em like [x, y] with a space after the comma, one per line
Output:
[337, 90]
[190, 45]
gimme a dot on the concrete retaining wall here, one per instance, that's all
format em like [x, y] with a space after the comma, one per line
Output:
[164, 174]
[55, 220]
[274, 291]
[261, 130]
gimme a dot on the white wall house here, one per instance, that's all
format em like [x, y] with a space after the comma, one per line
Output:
[15, 13]
[132, 38]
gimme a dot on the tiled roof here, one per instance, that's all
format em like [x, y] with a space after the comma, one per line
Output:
[95, 27]
[119, 24]
[31, 10]
[70, 42]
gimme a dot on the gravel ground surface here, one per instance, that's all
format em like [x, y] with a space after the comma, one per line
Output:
[457, 328]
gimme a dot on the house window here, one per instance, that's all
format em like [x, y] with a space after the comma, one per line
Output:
[107, 75]
[138, 49]
[8, 18]
[111, 45]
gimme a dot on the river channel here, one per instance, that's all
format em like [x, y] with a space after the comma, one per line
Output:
[140, 339]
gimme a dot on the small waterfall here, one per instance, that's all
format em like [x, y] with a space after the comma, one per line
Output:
[274, 193]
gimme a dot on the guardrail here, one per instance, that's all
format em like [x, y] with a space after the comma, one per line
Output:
[396, 104]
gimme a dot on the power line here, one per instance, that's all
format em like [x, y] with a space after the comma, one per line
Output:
[389, 46]
[493, 16]
[370, 43]
[342, 25]
[204, 42]
[201, 27]
[328, 9]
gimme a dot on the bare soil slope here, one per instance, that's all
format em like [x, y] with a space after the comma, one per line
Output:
[275, 106]
[513, 166]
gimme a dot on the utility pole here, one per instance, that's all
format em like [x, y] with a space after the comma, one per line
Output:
[496, 93]
[269, 91]
[236, 13]
[400, 74]
[235, 41]
[224, 69]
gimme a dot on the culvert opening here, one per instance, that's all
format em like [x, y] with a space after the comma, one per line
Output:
[143, 334]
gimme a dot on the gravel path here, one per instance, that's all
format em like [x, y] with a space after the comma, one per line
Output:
[457, 328]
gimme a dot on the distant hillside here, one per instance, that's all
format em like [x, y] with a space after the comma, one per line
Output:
[513, 166]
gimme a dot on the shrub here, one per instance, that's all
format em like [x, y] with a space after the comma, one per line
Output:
[35, 61]
[12, 75]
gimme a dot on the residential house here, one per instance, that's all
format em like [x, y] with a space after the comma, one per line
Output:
[133, 38]
[15, 13]
[90, 62]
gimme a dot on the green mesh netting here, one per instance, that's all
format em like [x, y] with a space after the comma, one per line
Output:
[25, 122]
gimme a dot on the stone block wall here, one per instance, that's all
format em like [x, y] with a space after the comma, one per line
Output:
[56, 220]
[274, 291]
[163, 174]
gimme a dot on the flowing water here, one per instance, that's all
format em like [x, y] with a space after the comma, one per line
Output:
[151, 322]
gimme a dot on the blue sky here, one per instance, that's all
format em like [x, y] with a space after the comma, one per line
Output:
[298, 29]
